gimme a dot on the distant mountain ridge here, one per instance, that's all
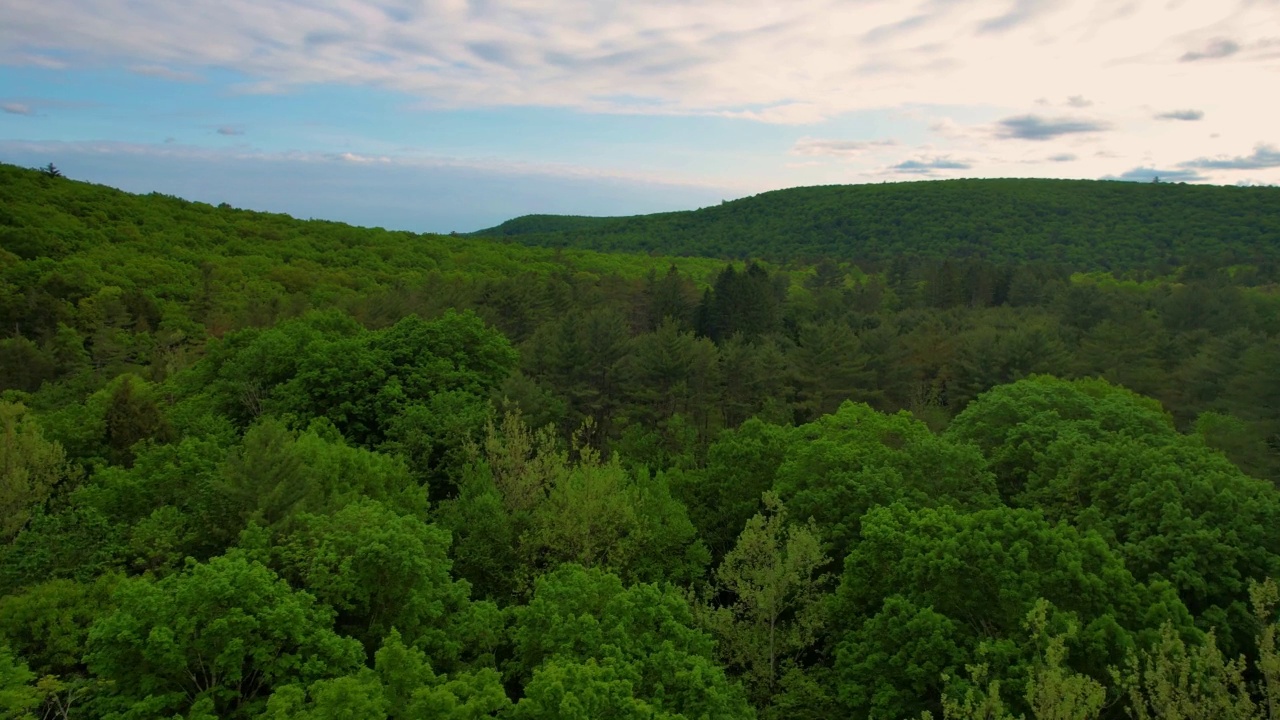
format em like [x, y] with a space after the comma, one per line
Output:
[1086, 223]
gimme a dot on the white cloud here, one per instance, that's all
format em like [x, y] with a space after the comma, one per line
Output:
[160, 71]
[1146, 174]
[838, 148]
[929, 165]
[792, 63]
[1185, 115]
[1263, 157]
[1113, 74]
[784, 114]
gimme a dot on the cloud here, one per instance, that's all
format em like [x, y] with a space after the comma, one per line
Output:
[35, 60]
[16, 108]
[1061, 157]
[928, 165]
[1020, 12]
[791, 63]
[837, 148]
[1264, 156]
[785, 114]
[888, 31]
[1034, 127]
[1146, 174]
[164, 73]
[1190, 115]
[843, 71]
[1217, 48]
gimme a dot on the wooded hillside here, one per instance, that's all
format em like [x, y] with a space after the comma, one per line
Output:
[259, 468]
[1085, 224]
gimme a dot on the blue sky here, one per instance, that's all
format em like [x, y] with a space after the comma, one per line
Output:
[446, 115]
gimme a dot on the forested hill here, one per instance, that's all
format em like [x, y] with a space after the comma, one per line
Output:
[45, 219]
[259, 468]
[1084, 223]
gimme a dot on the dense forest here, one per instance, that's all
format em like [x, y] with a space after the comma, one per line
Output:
[254, 467]
[1090, 225]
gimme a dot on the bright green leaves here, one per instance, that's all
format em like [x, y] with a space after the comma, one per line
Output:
[1010, 423]
[1104, 458]
[930, 587]
[277, 472]
[379, 570]
[525, 508]
[723, 494]
[601, 515]
[18, 695]
[30, 468]
[49, 623]
[589, 644]
[585, 691]
[326, 366]
[401, 685]
[227, 632]
[842, 465]
[773, 574]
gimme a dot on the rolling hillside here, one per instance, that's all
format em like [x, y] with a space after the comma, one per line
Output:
[1086, 224]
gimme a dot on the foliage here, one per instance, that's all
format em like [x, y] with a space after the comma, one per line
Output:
[625, 643]
[1085, 222]
[777, 612]
[222, 633]
[254, 467]
[30, 468]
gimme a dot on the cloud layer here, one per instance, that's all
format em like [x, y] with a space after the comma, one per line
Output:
[1034, 127]
[834, 90]
[1188, 115]
[798, 61]
[838, 148]
[1263, 157]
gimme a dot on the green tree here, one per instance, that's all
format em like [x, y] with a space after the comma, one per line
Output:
[842, 465]
[585, 691]
[401, 686]
[930, 591]
[224, 633]
[829, 368]
[132, 415]
[600, 515]
[722, 495]
[1103, 458]
[18, 695]
[379, 570]
[641, 638]
[30, 468]
[773, 576]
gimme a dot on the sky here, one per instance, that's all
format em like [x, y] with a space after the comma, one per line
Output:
[440, 115]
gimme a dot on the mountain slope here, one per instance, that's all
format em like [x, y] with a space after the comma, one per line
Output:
[1084, 223]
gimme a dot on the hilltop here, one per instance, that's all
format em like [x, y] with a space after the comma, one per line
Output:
[1084, 223]
[45, 219]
